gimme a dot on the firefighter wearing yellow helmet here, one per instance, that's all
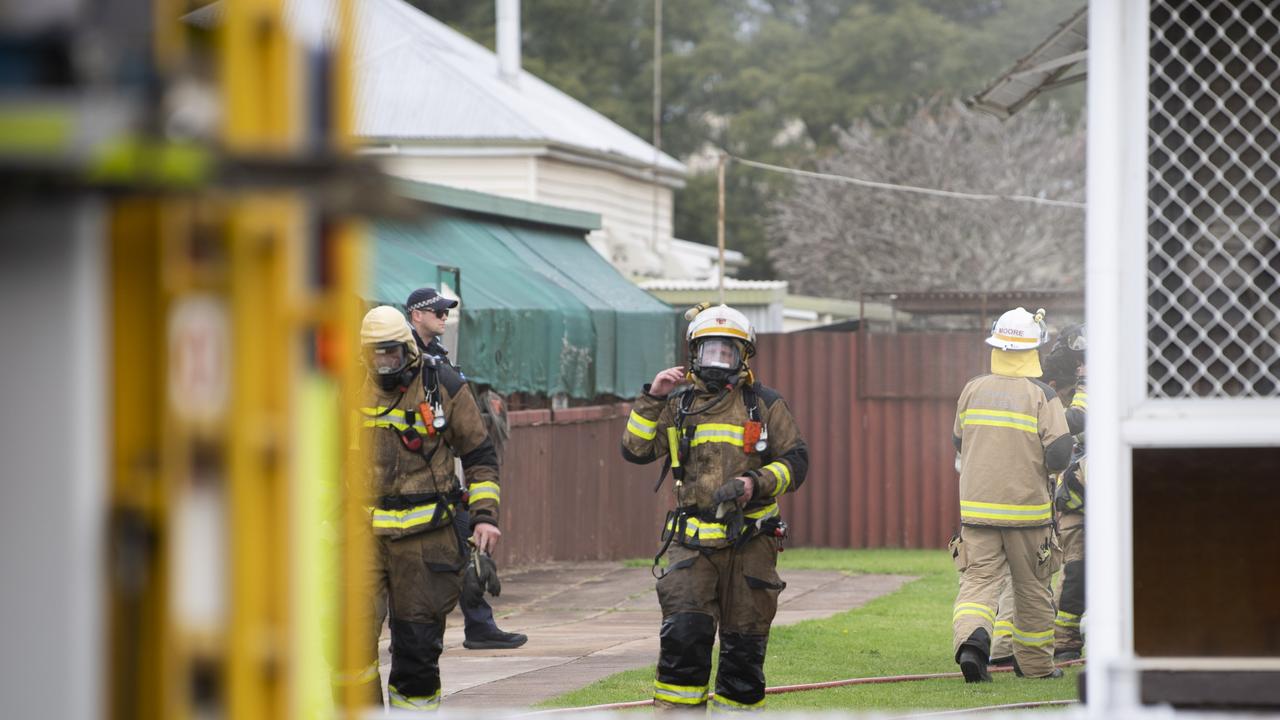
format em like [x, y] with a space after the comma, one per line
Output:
[732, 448]
[1011, 433]
[416, 417]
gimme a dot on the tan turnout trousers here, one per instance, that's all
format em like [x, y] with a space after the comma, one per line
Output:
[1002, 639]
[1027, 557]
[1071, 592]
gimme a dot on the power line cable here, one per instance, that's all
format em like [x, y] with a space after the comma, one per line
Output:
[908, 188]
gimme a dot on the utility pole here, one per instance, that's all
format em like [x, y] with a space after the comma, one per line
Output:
[724, 160]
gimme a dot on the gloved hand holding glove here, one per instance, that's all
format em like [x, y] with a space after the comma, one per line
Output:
[481, 575]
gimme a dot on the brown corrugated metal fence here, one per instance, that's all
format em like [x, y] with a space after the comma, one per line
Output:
[877, 418]
[878, 422]
[567, 494]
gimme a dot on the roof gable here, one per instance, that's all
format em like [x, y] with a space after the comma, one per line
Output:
[421, 79]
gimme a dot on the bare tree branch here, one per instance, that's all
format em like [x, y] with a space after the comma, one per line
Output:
[834, 240]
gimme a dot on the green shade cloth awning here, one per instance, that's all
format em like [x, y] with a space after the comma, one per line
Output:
[542, 312]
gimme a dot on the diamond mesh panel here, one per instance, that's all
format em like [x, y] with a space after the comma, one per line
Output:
[1213, 197]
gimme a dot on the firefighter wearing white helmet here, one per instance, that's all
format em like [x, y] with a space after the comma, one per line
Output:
[732, 448]
[1011, 433]
[415, 418]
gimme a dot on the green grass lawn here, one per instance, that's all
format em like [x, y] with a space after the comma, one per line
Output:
[906, 632]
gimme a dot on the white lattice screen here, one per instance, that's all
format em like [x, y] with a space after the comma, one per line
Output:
[1213, 323]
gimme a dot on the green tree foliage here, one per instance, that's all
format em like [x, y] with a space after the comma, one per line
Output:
[771, 80]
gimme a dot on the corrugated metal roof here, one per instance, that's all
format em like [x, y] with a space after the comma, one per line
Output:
[419, 79]
[1058, 61]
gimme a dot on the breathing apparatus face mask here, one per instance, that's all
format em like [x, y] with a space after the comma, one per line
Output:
[717, 362]
[388, 364]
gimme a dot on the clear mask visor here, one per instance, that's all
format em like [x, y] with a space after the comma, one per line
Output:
[386, 360]
[718, 353]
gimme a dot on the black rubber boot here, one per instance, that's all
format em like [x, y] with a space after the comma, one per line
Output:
[1066, 654]
[973, 656]
[973, 664]
[494, 639]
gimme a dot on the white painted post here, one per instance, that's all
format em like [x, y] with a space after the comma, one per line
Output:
[1116, 237]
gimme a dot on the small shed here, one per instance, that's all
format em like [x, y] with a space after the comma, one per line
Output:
[543, 313]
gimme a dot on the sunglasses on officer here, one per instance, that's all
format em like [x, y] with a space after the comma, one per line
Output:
[440, 314]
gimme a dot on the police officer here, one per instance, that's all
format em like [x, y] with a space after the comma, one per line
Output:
[428, 311]
[1011, 432]
[732, 448]
[415, 420]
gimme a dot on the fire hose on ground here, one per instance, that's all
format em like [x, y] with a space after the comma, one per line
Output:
[805, 687]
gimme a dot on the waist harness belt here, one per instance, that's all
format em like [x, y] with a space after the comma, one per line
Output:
[414, 512]
[700, 530]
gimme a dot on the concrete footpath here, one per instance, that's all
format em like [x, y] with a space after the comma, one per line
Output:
[586, 621]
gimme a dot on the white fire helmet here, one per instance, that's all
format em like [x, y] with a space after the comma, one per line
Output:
[724, 322]
[1019, 330]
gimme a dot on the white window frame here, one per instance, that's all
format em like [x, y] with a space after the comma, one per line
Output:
[1121, 414]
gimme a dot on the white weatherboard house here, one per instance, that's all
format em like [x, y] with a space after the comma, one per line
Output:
[441, 108]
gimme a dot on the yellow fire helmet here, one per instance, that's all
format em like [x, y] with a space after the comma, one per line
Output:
[722, 321]
[1019, 330]
[385, 324]
[389, 350]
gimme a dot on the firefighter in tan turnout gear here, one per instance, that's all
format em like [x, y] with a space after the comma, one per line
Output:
[732, 448]
[1069, 499]
[1011, 433]
[416, 417]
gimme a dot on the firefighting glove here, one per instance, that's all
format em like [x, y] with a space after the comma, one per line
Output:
[481, 575]
[725, 498]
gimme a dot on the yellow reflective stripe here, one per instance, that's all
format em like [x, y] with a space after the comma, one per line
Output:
[673, 446]
[484, 491]
[408, 702]
[706, 530]
[997, 511]
[1013, 338]
[696, 529]
[681, 694]
[393, 418]
[717, 433]
[765, 512]
[1032, 639]
[974, 609]
[1080, 400]
[999, 418]
[1003, 628]
[721, 330]
[640, 427]
[1066, 619]
[999, 424]
[782, 473]
[403, 519]
[1074, 501]
[367, 675]
[720, 703]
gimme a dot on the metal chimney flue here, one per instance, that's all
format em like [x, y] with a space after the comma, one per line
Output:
[508, 41]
